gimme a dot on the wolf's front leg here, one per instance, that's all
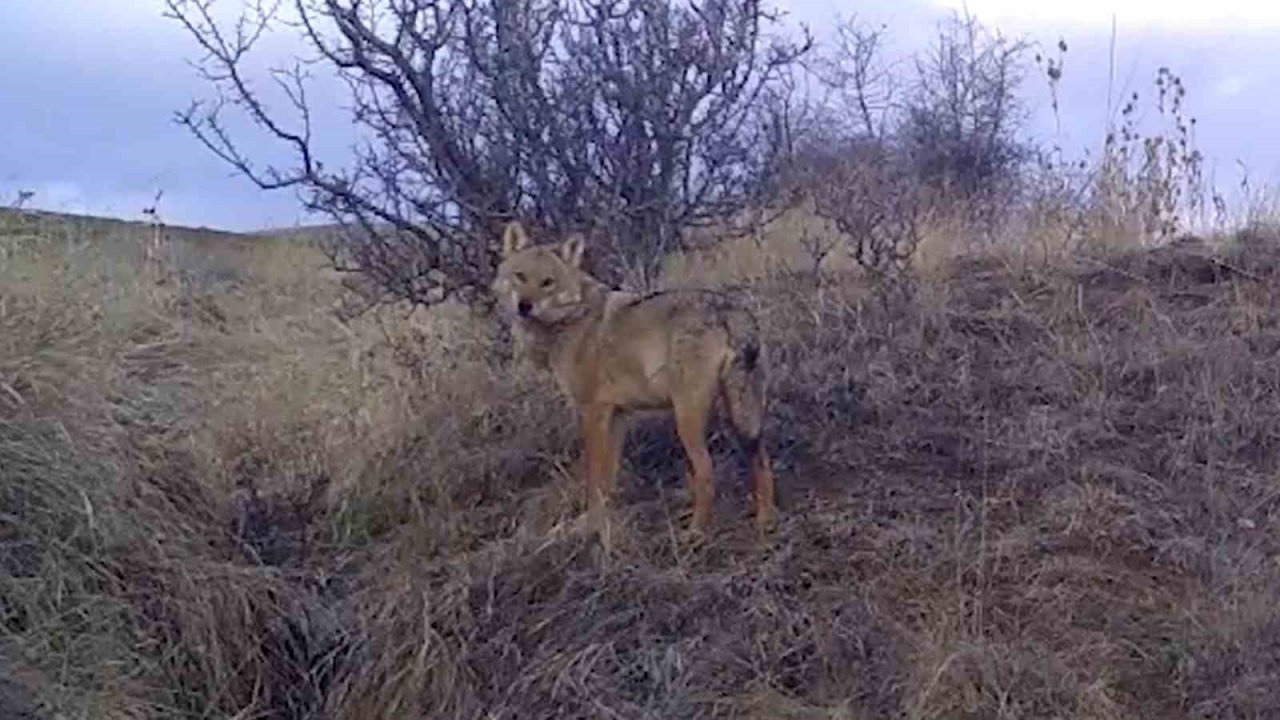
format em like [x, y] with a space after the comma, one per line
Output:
[598, 456]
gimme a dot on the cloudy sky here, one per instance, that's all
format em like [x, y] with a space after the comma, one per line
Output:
[89, 89]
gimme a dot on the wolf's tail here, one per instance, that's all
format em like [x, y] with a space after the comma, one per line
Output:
[743, 384]
[747, 357]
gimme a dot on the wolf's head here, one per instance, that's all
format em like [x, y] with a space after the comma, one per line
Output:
[543, 283]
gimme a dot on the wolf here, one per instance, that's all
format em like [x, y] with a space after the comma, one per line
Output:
[615, 353]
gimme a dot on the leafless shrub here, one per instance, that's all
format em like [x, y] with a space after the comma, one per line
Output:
[845, 161]
[636, 118]
[873, 201]
[862, 90]
[882, 152]
[962, 119]
[818, 246]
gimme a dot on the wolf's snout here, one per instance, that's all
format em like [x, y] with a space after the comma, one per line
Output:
[524, 307]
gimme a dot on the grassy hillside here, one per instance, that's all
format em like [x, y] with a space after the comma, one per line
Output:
[88, 227]
[1033, 489]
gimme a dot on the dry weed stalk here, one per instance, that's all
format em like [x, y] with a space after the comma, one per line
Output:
[153, 246]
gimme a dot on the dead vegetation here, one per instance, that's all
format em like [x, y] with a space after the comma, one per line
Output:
[1027, 490]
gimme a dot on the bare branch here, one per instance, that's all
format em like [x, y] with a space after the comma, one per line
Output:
[627, 119]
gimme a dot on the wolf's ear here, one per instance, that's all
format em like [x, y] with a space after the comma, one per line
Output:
[514, 238]
[572, 248]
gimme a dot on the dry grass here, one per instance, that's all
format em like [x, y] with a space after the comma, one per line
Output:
[1032, 489]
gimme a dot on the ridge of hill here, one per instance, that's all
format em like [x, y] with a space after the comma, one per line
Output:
[38, 221]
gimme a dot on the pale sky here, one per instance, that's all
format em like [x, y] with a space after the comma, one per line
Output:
[89, 89]
[1201, 15]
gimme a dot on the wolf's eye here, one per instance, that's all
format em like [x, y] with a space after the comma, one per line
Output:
[520, 276]
[546, 282]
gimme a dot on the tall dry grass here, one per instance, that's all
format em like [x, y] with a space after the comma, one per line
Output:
[1035, 487]
[172, 445]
